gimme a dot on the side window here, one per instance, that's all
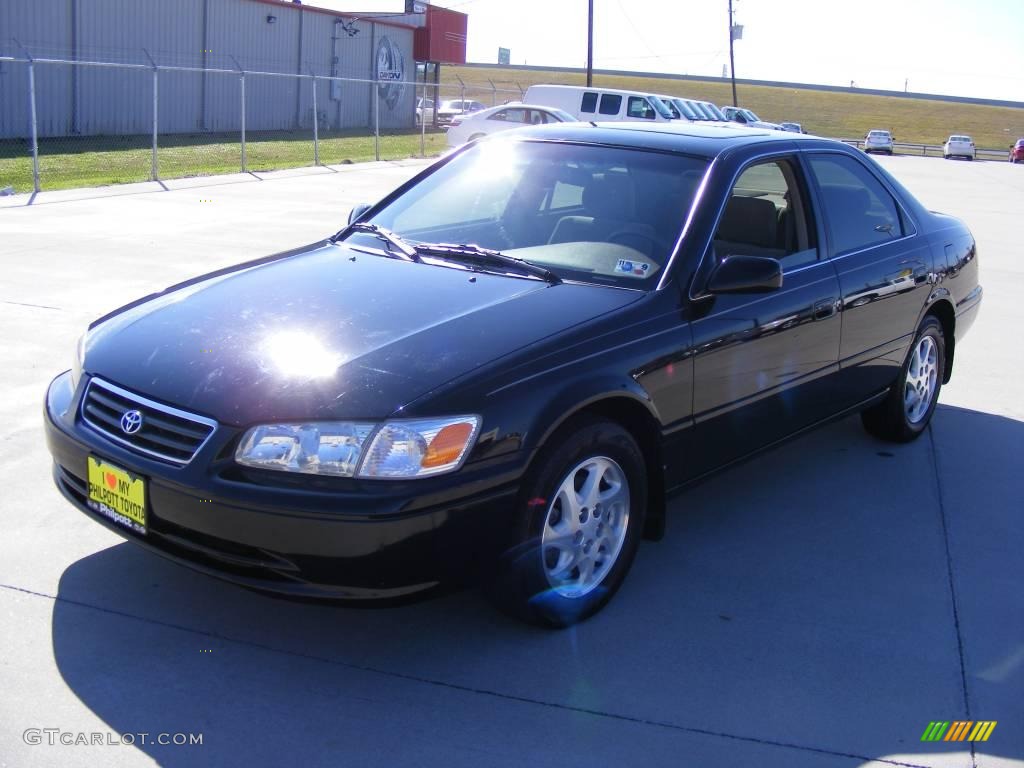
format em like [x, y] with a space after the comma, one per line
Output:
[515, 115]
[639, 107]
[610, 104]
[501, 115]
[589, 103]
[859, 211]
[767, 215]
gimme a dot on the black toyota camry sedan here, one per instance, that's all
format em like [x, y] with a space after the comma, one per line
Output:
[503, 369]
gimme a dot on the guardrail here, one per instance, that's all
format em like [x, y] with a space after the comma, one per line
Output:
[933, 150]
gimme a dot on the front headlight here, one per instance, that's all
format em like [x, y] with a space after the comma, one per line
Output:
[79, 360]
[398, 449]
[419, 447]
[321, 448]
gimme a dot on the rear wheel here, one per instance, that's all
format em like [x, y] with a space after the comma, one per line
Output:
[580, 519]
[906, 411]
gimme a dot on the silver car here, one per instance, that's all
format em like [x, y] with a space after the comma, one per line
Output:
[878, 141]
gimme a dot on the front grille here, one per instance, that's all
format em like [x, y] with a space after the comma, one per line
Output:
[166, 433]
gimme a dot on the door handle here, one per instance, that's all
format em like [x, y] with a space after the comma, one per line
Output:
[824, 309]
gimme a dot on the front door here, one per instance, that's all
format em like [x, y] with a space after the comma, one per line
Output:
[764, 363]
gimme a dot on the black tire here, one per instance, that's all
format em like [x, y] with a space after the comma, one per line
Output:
[889, 419]
[945, 157]
[520, 585]
[970, 157]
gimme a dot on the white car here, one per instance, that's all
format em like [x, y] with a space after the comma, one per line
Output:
[479, 124]
[959, 146]
[424, 109]
[878, 141]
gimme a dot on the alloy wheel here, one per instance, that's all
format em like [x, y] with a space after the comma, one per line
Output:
[585, 526]
[922, 377]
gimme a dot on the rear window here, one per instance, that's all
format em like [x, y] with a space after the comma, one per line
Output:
[879, 134]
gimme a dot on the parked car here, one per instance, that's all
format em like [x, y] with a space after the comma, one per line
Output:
[1017, 152]
[679, 110]
[713, 110]
[792, 127]
[495, 119]
[424, 110]
[600, 104]
[746, 117]
[959, 146]
[504, 367]
[878, 141]
[452, 108]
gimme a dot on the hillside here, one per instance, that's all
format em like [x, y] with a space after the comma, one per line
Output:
[826, 113]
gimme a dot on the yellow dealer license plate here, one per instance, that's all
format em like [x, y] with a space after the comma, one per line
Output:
[117, 495]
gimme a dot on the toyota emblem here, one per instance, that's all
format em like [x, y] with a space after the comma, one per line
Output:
[131, 422]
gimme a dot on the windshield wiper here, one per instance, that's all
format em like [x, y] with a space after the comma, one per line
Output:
[401, 248]
[486, 257]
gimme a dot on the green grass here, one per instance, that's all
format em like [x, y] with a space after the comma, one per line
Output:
[95, 161]
[69, 162]
[825, 113]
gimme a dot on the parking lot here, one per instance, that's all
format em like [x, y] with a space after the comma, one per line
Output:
[817, 606]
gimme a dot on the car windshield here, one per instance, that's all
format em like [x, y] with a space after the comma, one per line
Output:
[750, 116]
[715, 112]
[588, 213]
[685, 109]
[660, 107]
[562, 115]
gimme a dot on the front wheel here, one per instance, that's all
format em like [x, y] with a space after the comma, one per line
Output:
[908, 408]
[580, 519]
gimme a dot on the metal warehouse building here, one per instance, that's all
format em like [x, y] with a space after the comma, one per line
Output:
[255, 36]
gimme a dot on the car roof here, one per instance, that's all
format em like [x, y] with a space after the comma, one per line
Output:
[688, 138]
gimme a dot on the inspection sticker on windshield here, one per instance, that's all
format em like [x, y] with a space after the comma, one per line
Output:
[632, 268]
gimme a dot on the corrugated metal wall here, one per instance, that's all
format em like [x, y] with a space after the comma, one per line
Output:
[103, 101]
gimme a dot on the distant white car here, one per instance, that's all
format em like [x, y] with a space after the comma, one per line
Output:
[793, 127]
[959, 146]
[878, 141]
[424, 110]
[507, 116]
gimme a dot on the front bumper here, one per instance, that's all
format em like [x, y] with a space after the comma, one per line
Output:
[295, 535]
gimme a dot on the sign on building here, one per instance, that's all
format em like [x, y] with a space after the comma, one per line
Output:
[504, 55]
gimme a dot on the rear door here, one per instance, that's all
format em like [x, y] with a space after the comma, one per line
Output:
[883, 268]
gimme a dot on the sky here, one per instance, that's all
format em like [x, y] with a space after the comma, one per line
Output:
[951, 47]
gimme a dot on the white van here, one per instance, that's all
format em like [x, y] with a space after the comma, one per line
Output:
[600, 104]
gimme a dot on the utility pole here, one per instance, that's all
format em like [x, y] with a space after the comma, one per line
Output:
[732, 58]
[590, 43]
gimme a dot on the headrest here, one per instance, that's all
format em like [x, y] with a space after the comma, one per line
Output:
[750, 220]
[611, 196]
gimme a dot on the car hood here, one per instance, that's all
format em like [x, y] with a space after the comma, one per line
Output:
[328, 333]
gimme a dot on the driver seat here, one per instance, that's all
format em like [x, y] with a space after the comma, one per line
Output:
[609, 201]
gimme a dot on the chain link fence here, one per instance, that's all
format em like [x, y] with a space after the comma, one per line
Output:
[88, 123]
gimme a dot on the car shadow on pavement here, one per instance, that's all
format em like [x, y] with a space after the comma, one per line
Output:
[800, 605]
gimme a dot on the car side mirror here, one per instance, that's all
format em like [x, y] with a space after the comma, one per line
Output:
[358, 211]
[746, 274]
